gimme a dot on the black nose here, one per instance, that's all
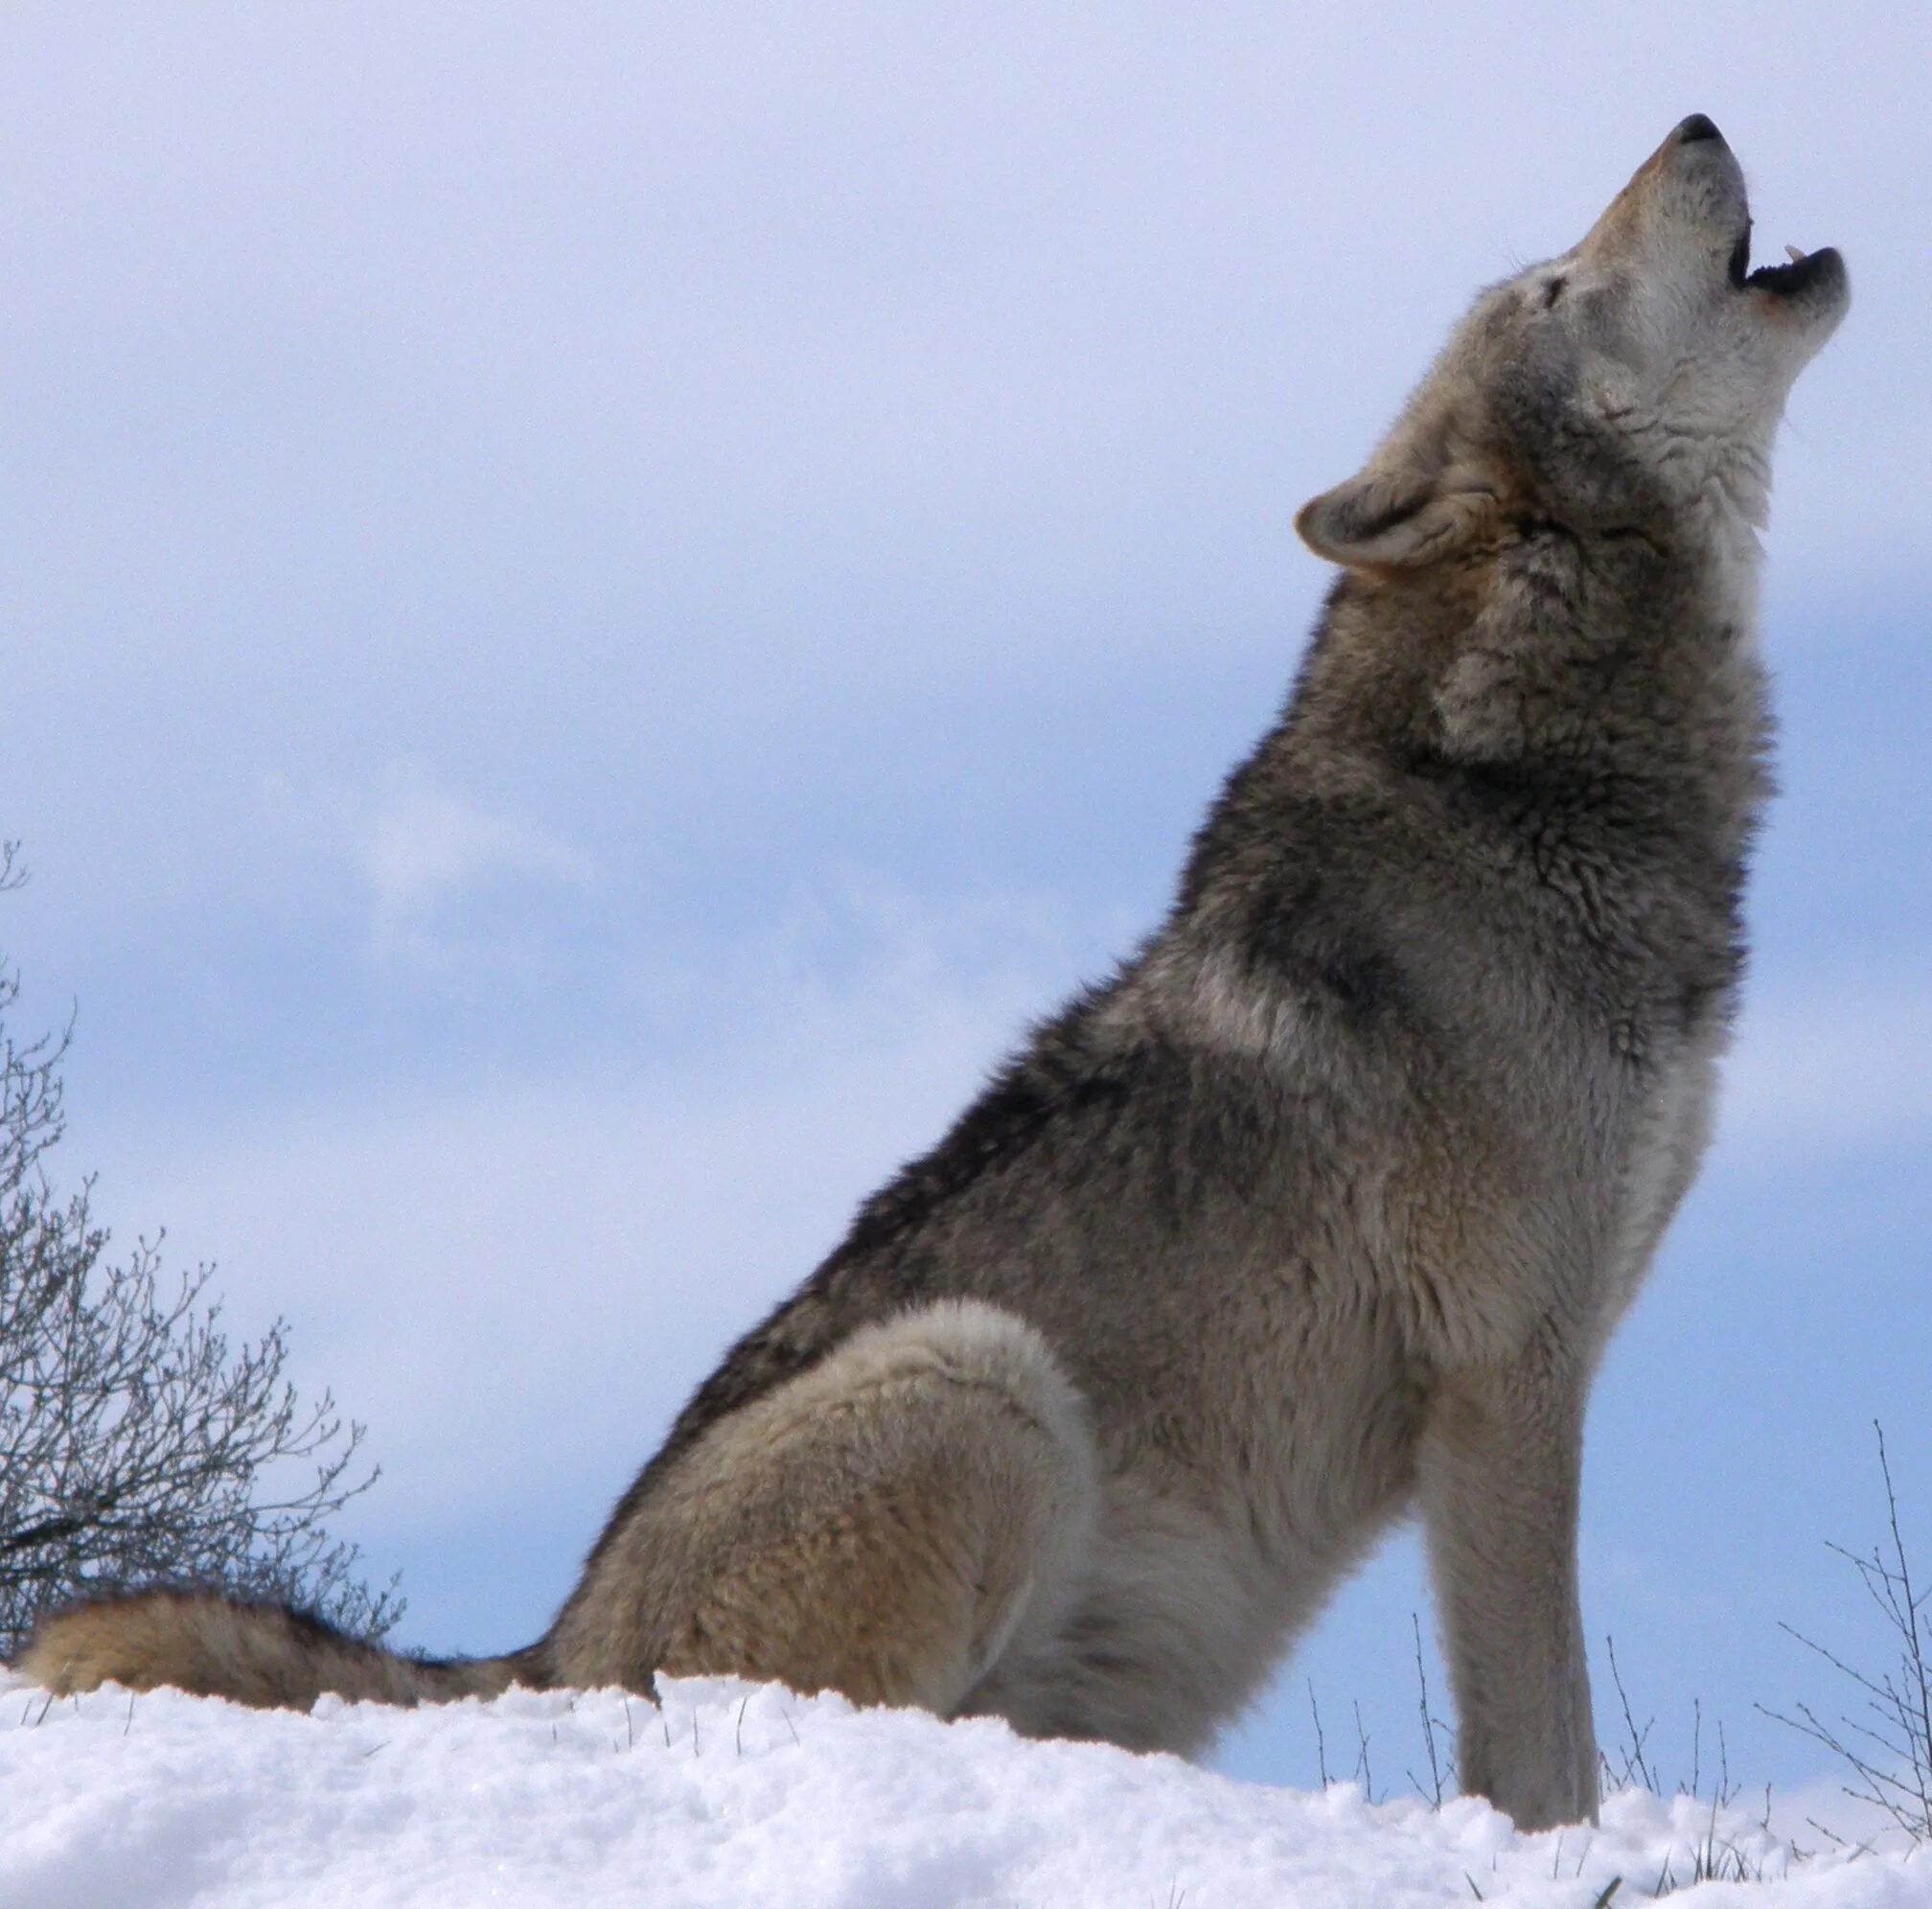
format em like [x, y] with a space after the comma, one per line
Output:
[1699, 125]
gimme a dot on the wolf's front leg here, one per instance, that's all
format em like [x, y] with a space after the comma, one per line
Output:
[1499, 1468]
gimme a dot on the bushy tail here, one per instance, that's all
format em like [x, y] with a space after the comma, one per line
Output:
[264, 1654]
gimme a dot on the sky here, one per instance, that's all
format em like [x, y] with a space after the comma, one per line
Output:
[603, 601]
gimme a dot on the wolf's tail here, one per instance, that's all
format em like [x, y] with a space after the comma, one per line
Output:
[264, 1654]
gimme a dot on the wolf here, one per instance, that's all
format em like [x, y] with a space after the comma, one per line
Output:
[1320, 1209]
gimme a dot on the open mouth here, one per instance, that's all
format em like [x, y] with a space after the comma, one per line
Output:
[1780, 279]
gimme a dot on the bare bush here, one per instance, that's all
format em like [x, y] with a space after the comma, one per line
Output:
[1887, 1744]
[137, 1443]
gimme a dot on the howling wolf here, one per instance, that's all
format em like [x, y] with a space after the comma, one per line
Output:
[1323, 1209]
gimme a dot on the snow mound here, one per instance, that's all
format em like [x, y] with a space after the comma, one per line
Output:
[742, 1794]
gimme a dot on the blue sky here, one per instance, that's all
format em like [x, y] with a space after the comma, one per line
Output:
[602, 601]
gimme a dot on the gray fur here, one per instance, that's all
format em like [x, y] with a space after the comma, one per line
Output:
[1323, 1208]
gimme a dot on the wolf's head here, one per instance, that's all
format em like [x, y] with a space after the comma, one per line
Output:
[1639, 377]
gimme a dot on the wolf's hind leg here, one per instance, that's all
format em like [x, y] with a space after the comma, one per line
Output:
[883, 1525]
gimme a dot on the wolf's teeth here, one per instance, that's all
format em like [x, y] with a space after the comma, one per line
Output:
[1792, 253]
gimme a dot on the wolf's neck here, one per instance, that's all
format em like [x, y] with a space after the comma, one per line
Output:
[1726, 523]
[1614, 670]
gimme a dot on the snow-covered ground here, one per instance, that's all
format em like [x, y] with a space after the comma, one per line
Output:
[748, 1795]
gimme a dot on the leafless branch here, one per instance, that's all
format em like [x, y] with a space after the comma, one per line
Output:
[138, 1442]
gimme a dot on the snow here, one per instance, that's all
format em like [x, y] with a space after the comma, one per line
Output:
[741, 1794]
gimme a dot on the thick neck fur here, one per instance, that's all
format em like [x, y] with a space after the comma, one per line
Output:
[1586, 713]
[1616, 662]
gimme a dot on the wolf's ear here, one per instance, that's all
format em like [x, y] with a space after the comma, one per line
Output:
[1412, 503]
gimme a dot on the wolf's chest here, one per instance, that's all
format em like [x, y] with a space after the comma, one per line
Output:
[1669, 1131]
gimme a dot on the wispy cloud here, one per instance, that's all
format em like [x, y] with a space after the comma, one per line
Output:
[424, 849]
[430, 866]
[1831, 1068]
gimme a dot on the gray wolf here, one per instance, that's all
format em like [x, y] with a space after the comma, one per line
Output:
[1320, 1210]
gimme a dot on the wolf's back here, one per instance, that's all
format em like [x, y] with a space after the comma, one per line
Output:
[265, 1654]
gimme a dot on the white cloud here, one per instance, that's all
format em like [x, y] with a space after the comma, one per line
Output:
[424, 857]
[423, 849]
[1829, 1070]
